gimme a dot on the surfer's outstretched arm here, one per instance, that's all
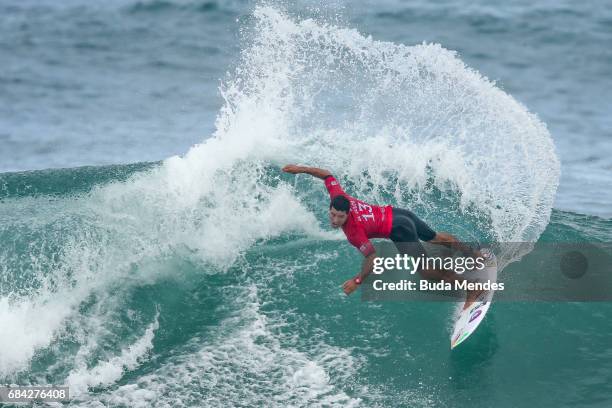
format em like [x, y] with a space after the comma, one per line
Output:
[313, 171]
[366, 268]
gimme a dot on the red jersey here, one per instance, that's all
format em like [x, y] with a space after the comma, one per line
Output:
[364, 220]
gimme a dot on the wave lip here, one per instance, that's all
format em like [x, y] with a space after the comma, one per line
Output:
[375, 111]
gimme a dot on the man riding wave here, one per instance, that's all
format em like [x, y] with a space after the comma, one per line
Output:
[361, 221]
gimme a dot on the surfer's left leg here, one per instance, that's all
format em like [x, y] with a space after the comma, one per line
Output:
[449, 240]
[446, 239]
[425, 233]
[407, 229]
[406, 232]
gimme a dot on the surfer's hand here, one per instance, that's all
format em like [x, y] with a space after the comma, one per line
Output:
[349, 286]
[292, 168]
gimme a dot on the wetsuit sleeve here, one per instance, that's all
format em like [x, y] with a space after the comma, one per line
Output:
[360, 240]
[333, 187]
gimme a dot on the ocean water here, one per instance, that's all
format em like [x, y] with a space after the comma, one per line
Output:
[180, 267]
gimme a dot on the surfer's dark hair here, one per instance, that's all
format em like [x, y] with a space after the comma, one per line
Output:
[340, 203]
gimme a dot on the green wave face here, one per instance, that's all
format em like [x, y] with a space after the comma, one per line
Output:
[106, 285]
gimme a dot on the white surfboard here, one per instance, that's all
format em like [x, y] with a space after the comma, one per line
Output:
[469, 319]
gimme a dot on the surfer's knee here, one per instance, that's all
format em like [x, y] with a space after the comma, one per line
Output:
[444, 238]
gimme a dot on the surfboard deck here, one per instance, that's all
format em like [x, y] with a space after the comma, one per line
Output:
[468, 320]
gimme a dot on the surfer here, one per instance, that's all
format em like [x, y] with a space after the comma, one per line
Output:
[361, 221]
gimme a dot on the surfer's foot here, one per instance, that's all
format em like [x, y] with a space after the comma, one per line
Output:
[471, 297]
[488, 255]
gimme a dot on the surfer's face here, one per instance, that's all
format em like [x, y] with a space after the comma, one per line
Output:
[337, 218]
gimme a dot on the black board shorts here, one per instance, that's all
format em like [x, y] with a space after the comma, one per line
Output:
[406, 231]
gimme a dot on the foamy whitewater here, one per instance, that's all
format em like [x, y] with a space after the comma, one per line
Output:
[214, 277]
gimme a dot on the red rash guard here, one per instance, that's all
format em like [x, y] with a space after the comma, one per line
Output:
[364, 220]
